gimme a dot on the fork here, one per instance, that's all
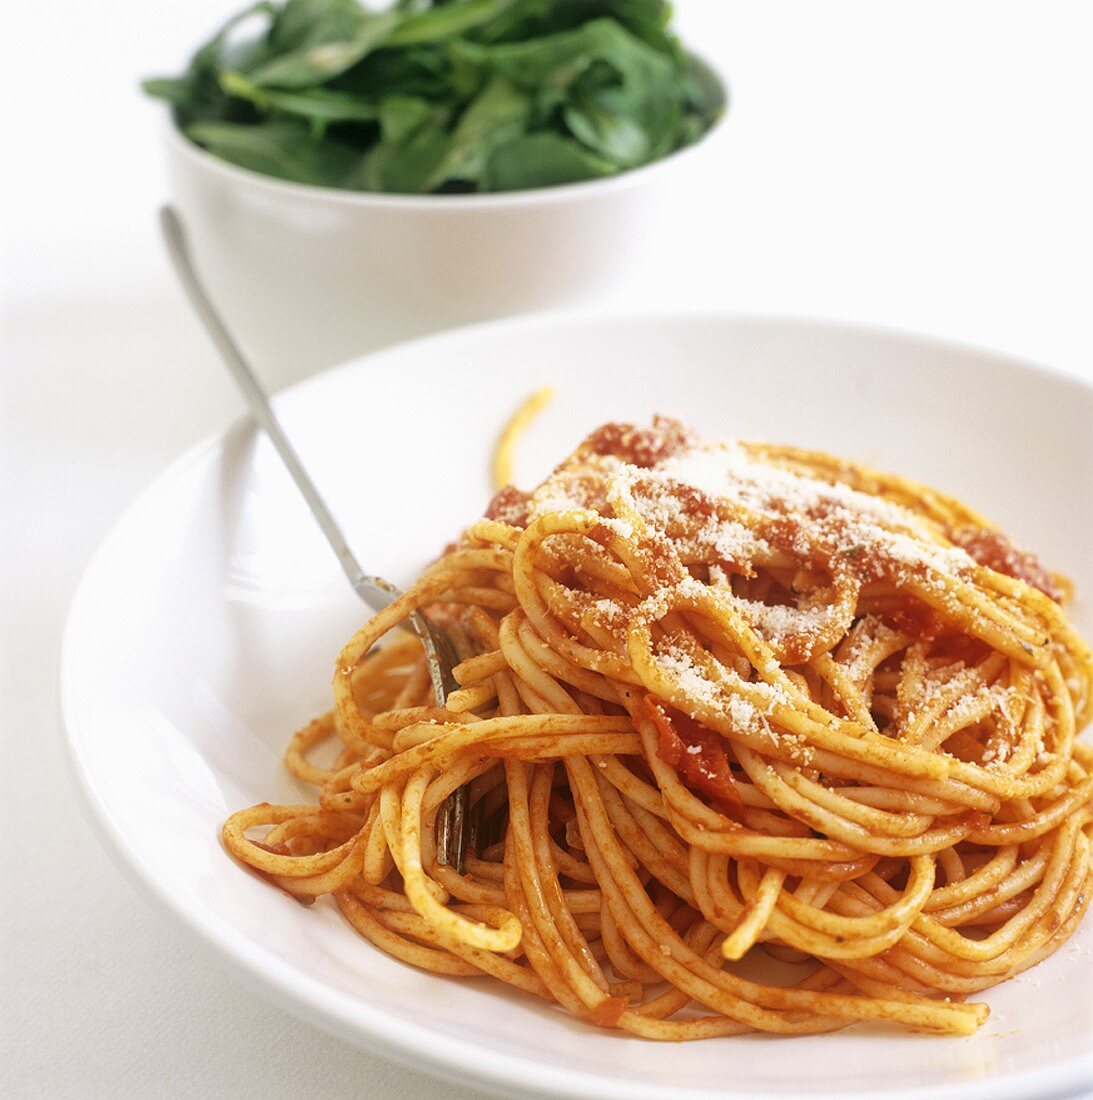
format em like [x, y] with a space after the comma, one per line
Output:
[377, 593]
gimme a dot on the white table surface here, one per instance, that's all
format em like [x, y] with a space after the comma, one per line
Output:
[923, 165]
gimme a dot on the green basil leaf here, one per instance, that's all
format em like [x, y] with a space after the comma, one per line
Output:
[554, 61]
[407, 168]
[197, 94]
[541, 160]
[175, 90]
[329, 48]
[224, 50]
[302, 21]
[648, 20]
[446, 21]
[614, 136]
[401, 116]
[499, 114]
[316, 104]
[284, 149]
[416, 70]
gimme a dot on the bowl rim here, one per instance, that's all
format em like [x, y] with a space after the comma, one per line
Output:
[354, 1019]
[179, 144]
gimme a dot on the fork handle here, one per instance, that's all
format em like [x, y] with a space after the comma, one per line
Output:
[374, 591]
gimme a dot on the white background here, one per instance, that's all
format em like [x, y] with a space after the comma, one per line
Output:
[925, 165]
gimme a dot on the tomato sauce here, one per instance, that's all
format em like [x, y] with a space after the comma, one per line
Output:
[698, 754]
[510, 505]
[643, 447]
[994, 550]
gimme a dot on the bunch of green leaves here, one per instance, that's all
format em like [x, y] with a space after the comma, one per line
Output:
[444, 95]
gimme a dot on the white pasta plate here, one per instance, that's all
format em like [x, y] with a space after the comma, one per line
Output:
[206, 627]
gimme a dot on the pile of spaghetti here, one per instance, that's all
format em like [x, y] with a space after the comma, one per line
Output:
[716, 700]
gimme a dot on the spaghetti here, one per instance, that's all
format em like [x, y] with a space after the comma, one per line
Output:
[716, 701]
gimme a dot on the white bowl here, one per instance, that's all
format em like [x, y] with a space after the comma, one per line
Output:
[206, 628]
[310, 276]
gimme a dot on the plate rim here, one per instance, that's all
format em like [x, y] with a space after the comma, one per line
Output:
[355, 1019]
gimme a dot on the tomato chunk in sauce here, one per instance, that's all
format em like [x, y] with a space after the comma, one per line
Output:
[697, 753]
[994, 550]
[643, 447]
